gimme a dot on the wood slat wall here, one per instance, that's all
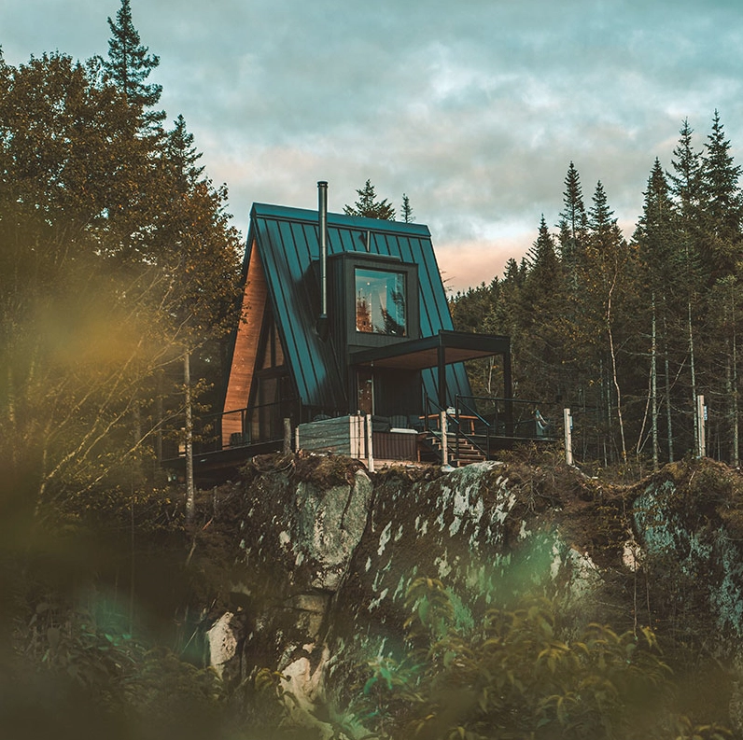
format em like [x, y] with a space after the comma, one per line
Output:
[255, 296]
[329, 435]
[395, 446]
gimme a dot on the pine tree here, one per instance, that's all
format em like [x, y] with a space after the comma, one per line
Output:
[685, 181]
[656, 233]
[541, 322]
[603, 282]
[542, 276]
[542, 257]
[722, 203]
[601, 221]
[722, 249]
[181, 154]
[129, 64]
[573, 220]
[368, 206]
[686, 188]
[656, 238]
[407, 210]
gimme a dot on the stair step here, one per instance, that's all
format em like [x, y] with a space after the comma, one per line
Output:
[466, 455]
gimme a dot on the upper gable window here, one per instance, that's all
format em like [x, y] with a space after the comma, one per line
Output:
[381, 302]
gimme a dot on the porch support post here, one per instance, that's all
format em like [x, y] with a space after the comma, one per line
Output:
[369, 444]
[441, 354]
[444, 439]
[508, 392]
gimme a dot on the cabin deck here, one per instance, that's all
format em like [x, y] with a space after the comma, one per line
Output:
[471, 437]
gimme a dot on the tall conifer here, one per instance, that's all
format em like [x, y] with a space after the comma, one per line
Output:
[572, 225]
[407, 210]
[129, 64]
[686, 188]
[657, 245]
[182, 155]
[367, 205]
[722, 203]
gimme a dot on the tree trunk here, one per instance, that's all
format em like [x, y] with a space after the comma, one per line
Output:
[614, 368]
[734, 442]
[190, 491]
[693, 379]
[160, 418]
[667, 373]
[654, 386]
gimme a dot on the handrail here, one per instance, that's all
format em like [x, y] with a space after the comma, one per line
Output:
[513, 424]
[212, 435]
[459, 432]
[473, 412]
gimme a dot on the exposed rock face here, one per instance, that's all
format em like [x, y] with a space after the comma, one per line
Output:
[223, 642]
[327, 557]
[693, 532]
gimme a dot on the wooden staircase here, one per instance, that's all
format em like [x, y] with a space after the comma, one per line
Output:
[468, 453]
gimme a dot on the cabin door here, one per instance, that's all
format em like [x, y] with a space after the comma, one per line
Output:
[365, 391]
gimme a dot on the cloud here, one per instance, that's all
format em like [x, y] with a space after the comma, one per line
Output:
[474, 109]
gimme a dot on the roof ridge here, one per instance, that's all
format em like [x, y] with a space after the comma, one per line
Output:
[342, 220]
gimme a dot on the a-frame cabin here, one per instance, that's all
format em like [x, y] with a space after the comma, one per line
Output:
[346, 317]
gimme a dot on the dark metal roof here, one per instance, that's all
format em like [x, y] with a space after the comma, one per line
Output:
[287, 241]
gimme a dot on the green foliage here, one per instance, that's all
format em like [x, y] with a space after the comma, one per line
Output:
[368, 206]
[407, 210]
[117, 254]
[627, 335]
[129, 64]
[131, 688]
[518, 676]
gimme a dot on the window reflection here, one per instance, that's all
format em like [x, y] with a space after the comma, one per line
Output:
[380, 302]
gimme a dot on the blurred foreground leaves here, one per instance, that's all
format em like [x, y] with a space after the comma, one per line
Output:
[519, 676]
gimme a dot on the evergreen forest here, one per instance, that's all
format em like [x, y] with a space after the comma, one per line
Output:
[629, 333]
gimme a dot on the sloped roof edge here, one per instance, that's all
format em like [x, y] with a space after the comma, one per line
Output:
[341, 220]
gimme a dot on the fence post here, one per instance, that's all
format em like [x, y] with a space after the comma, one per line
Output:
[287, 436]
[701, 422]
[369, 450]
[444, 440]
[459, 428]
[568, 423]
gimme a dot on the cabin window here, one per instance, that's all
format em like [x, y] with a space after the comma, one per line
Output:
[381, 302]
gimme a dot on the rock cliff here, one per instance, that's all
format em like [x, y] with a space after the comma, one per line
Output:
[319, 555]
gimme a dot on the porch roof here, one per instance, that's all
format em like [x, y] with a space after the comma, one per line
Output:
[446, 346]
[442, 349]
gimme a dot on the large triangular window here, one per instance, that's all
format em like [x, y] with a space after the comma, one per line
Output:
[272, 396]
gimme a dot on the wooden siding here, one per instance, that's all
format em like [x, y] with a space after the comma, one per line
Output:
[346, 435]
[246, 346]
[342, 436]
[395, 445]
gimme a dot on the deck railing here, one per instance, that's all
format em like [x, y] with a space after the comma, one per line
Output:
[514, 418]
[260, 424]
[486, 422]
[478, 422]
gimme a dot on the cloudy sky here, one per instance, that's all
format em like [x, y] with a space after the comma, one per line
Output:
[474, 108]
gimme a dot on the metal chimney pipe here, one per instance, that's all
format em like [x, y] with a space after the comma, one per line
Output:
[322, 214]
